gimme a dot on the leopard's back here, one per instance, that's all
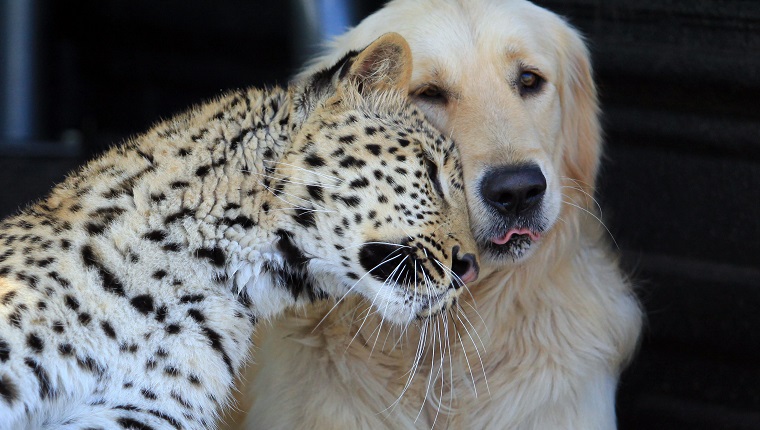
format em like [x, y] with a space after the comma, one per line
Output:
[105, 307]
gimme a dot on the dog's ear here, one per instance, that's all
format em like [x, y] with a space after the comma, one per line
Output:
[384, 65]
[580, 112]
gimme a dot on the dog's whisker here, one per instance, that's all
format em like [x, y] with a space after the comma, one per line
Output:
[596, 218]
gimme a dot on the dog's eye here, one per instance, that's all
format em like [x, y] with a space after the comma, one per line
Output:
[529, 82]
[431, 93]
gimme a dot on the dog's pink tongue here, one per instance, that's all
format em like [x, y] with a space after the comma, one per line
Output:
[504, 239]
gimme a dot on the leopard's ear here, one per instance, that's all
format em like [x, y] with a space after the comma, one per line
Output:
[386, 64]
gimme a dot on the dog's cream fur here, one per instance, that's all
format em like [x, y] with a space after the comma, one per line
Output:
[552, 330]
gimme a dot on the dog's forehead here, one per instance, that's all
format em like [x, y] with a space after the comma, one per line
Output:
[478, 32]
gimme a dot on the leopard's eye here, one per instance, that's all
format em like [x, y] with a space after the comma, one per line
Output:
[529, 82]
[431, 93]
[432, 171]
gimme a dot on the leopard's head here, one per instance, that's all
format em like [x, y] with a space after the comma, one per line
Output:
[373, 194]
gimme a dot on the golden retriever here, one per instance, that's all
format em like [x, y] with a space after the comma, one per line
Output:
[541, 340]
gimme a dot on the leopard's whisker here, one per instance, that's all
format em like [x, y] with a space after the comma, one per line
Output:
[335, 178]
[477, 351]
[349, 291]
[467, 361]
[288, 180]
[372, 304]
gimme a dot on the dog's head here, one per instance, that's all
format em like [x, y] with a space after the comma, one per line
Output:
[511, 83]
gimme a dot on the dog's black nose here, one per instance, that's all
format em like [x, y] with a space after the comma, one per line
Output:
[512, 190]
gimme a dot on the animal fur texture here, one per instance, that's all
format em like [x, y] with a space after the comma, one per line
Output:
[541, 341]
[129, 295]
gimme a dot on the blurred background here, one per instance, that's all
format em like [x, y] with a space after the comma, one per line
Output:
[680, 186]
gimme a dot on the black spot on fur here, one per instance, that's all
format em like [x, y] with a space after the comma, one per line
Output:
[15, 319]
[361, 182]
[314, 160]
[150, 395]
[143, 303]
[71, 302]
[110, 283]
[46, 390]
[202, 171]
[352, 161]
[240, 220]
[305, 217]
[45, 262]
[65, 349]
[315, 192]
[192, 298]
[179, 215]
[58, 327]
[35, 343]
[179, 399]
[89, 364]
[156, 198]
[4, 256]
[30, 280]
[133, 424]
[174, 423]
[194, 379]
[84, 318]
[155, 235]
[348, 139]
[159, 274]
[215, 255]
[178, 185]
[350, 201]
[5, 351]
[215, 340]
[63, 282]
[173, 328]
[196, 315]
[172, 247]
[294, 275]
[146, 156]
[8, 389]
[374, 149]
[8, 297]
[108, 329]
[161, 313]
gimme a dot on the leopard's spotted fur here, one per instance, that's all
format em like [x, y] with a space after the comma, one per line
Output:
[129, 295]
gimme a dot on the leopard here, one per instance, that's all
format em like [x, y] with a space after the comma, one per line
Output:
[130, 294]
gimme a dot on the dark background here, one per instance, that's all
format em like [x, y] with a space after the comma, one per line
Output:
[680, 89]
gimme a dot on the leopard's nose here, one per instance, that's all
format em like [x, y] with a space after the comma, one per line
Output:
[465, 267]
